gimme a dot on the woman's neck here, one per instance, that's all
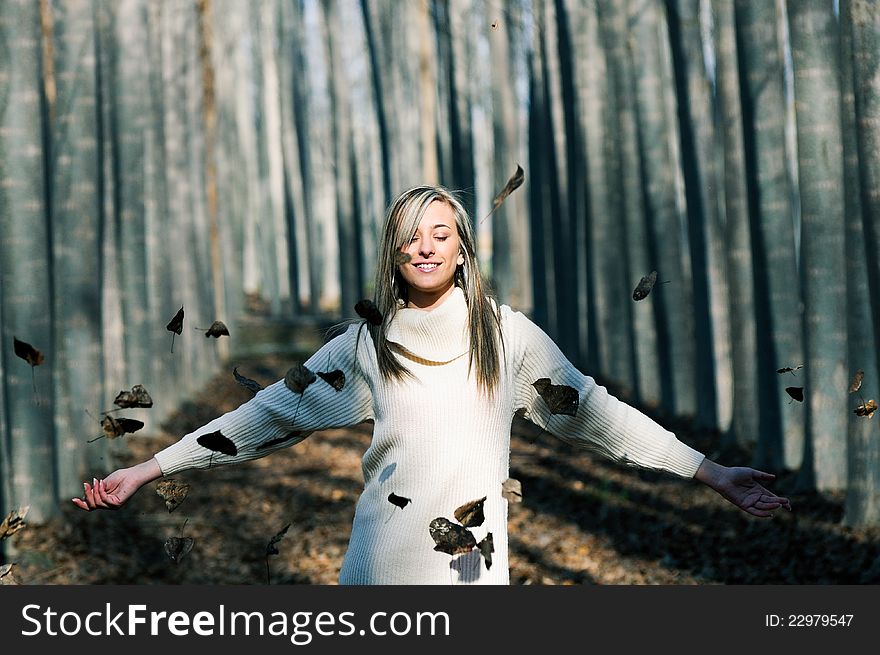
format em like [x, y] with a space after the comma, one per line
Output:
[428, 301]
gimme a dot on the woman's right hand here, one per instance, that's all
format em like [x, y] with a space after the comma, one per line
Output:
[113, 491]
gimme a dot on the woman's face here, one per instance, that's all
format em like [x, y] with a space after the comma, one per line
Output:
[435, 250]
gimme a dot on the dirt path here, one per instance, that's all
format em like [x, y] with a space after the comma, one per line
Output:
[583, 520]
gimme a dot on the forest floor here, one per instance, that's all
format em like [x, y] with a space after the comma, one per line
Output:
[583, 519]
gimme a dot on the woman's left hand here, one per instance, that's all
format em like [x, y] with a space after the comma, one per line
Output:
[742, 486]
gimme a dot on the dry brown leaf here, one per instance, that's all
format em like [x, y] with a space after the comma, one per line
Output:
[487, 547]
[643, 288]
[298, 378]
[856, 382]
[13, 522]
[335, 379]
[27, 352]
[173, 492]
[137, 397]
[450, 537]
[399, 501]
[560, 398]
[218, 442]
[470, 515]
[368, 311]
[866, 409]
[511, 489]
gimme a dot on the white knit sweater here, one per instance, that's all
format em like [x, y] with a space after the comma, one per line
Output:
[435, 440]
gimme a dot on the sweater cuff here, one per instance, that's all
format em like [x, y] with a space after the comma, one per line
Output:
[178, 456]
[683, 460]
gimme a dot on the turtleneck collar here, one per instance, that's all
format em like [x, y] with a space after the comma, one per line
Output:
[439, 335]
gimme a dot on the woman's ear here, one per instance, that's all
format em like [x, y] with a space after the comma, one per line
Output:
[460, 258]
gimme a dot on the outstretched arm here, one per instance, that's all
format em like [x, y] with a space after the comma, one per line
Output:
[277, 417]
[743, 487]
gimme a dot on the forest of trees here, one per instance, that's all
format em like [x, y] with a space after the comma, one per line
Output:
[209, 154]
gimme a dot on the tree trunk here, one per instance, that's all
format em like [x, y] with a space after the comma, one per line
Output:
[696, 134]
[745, 421]
[350, 266]
[25, 268]
[861, 133]
[777, 291]
[274, 230]
[76, 229]
[626, 179]
[542, 189]
[510, 243]
[671, 302]
[815, 50]
[129, 91]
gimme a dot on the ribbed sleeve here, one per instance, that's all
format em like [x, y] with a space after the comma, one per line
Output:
[602, 422]
[278, 417]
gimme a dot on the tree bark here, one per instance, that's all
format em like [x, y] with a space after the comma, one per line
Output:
[671, 302]
[25, 268]
[76, 229]
[777, 291]
[861, 32]
[745, 425]
[815, 57]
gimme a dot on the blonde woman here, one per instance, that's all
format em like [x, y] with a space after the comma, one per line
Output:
[441, 370]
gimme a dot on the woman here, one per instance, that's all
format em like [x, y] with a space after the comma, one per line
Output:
[441, 370]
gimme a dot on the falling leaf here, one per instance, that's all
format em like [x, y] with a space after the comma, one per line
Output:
[137, 397]
[272, 550]
[175, 326]
[275, 442]
[218, 329]
[788, 369]
[247, 383]
[401, 258]
[450, 537]
[298, 378]
[400, 501]
[6, 577]
[116, 427]
[511, 489]
[270, 547]
[335, 379]
[487, 547]
[218, 442]
[796, 392]
[368, 311]
[866, 409]
[512, 185]
[172, 492]
[176, 323]
[643, 288]
[27, 352]
[560, 398]
[13, 522]
[177, 547]
[470, 515]
[856, 383]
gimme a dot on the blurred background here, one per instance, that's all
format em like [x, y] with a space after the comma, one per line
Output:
[235, 158]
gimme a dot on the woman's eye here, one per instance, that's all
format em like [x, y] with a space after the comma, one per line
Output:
[441, 238]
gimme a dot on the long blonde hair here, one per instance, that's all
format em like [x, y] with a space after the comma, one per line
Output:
[484, 321]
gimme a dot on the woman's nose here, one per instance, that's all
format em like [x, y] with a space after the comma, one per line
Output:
[426, 248]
